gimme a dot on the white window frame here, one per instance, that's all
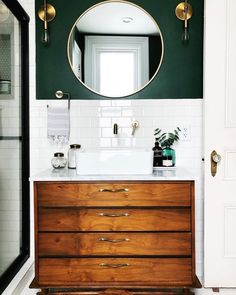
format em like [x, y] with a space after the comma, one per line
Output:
[94, 45]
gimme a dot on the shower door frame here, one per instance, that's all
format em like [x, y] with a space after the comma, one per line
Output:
[23, 18]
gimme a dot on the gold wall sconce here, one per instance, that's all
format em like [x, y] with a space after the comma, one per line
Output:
[46, 13]
[184, 12]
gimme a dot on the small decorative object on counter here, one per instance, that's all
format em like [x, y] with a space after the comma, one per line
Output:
[169, 155]
[71, 155]
[167, 161]
[157, 155]
[166, 140]
[59, 161]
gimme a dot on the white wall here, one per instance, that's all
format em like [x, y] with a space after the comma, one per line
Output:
[91, 126]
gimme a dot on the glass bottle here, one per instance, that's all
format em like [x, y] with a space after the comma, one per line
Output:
[157, 155]
[71, 155]
[58, 161]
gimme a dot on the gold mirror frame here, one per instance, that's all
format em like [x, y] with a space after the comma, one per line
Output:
[115, 1]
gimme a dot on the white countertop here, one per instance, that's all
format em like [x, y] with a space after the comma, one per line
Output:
[65, 174]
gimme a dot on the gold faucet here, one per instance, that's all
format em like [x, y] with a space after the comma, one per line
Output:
[135, 125]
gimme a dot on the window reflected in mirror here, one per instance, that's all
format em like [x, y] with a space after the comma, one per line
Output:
[115, 48]
[124, 73]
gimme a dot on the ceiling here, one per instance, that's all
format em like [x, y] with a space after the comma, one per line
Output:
[106, 18]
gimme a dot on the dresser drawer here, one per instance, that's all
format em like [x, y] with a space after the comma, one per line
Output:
[75, 219]
[114, 194]
[152, 271]
[105, 244]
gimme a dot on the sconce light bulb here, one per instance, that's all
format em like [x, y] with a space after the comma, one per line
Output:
[45, 37]
[185, 36]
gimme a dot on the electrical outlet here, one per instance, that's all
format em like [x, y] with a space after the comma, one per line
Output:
[185, 134]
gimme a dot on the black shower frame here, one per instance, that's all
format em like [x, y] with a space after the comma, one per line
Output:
[23, 18]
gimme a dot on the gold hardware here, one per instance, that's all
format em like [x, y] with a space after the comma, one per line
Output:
[114, 240]
[215, 159]
[49, 15]
[114, 265]
[135, 125]
[113, 215]
[114, 190]
[183, 14]
[60, 94]
[46, 13]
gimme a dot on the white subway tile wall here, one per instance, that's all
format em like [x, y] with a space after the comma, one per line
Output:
[92, 127]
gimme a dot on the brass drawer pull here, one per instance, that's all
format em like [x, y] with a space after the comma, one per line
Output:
[114, 265]
[113, 240]
[113, 215]
[119, 190]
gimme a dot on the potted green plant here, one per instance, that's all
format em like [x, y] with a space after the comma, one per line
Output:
[166, 140]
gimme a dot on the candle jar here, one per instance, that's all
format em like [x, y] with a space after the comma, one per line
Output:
[58, 161]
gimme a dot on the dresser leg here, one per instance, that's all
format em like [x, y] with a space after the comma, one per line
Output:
[216, 290]
[43, 292]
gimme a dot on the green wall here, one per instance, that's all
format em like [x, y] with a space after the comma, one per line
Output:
[180, 75]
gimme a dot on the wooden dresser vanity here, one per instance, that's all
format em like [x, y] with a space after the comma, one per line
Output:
[91, 236]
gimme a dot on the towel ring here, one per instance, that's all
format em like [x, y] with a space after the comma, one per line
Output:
[61, 94]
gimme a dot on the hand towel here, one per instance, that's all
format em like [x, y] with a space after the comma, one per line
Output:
[58, 125]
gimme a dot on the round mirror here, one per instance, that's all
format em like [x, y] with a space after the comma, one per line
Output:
[115, 48]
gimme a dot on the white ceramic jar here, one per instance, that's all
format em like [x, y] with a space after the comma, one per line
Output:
[71, 155]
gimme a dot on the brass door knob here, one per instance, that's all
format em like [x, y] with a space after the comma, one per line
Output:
[215, 159]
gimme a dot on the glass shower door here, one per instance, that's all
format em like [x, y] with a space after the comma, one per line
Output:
[10, 140]
[14, 197]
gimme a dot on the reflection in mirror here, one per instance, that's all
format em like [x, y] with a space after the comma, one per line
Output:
[115, 48]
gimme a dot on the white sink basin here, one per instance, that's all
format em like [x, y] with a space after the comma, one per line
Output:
[114, 162]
